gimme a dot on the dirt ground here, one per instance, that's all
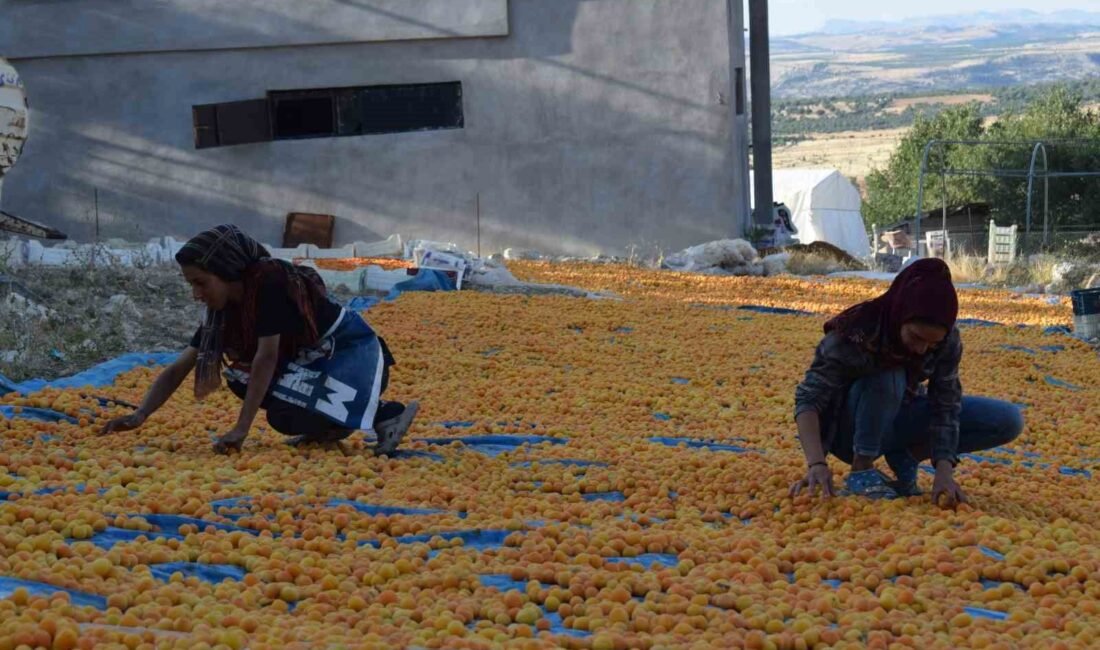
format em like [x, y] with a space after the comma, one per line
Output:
[85, 314]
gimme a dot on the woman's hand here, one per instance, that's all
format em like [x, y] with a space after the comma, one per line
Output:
[232, 440]
[944, 485]
[819, 475]
[123, 423]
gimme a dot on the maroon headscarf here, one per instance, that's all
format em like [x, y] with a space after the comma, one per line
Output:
[922, 292]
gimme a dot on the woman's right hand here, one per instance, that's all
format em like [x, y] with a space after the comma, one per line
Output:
[818, 476]
[124, 423]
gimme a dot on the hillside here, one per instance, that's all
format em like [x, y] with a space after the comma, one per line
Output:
[936, 55]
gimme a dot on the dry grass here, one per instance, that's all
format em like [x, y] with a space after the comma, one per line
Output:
[854, 153]
[973, 268]
[899, 105]
[814, 264]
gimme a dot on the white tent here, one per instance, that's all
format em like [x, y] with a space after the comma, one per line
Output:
[825, 206]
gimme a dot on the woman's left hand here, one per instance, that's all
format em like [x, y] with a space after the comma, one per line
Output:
[944, 485]
[232, 440]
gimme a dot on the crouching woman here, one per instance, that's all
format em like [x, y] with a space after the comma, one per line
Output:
[885, 382]
[317, 369]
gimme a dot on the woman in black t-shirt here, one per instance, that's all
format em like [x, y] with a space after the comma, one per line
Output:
[317, 369]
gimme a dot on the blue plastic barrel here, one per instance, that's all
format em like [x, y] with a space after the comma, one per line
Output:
[1086, 312]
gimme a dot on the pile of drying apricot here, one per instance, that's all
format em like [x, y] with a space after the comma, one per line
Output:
[583, 474]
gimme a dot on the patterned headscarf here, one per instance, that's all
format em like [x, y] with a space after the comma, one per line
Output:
[233, 256]
[922, 292]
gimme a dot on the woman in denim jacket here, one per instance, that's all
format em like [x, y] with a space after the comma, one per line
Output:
[864, 394]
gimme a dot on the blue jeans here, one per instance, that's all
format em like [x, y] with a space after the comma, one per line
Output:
[875, 420]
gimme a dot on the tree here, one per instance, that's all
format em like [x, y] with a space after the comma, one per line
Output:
[892, 192]
[1072, 138]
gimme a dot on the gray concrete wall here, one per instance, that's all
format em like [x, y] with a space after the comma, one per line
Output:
[42, 28]
[597, 124]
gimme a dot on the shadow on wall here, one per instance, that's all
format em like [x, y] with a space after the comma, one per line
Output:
[153, 182]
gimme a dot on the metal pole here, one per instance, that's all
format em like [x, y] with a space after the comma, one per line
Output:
[759, 61]
[1046, 197]
[478, 203]
[943, 198]
[920, 193]
[739, 116]
[1038, 148]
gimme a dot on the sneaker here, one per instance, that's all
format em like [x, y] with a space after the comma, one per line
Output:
[904, 466]
[333, 435]
[391, 432]
[870, 483]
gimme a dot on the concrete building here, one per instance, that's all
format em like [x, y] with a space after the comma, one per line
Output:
[583, 126]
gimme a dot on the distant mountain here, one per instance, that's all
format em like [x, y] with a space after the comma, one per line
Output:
[938, 54]
[960, 21]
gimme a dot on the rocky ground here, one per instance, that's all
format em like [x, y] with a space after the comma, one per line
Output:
[56, 321]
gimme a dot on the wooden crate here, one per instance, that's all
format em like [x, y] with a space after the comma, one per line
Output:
[305, 228]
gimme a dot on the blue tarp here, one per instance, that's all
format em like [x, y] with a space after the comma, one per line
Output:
[615, 496]
[212, 573]
[648, 560]
[78, 598]
[568, 462]
[41, 415]
[988, 552]
[102, 375]
[1054, 381]
[506, 583]
[978, 612]
[557, 626]
[362, 303]
[172, 523]
[111, 536]
[993, 584]
[495, 445]
[424, 280]
[476, 539]
[702, 444]
[760, 309]
[371, 509]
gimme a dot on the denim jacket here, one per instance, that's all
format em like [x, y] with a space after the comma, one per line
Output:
[838, 363]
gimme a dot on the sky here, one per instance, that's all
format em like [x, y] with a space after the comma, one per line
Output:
[802, 16]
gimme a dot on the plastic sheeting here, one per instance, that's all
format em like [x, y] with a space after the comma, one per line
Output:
[212, 573]
[825, 206]
[505, 583]
[372, 509]
[604, 496]
[760, 309]
[102, 375]
[648, 560]
[494, 446]
[41, 415]
[111, 536]
[567, 462]
[78, 598]
[424, 280]
[702, 444]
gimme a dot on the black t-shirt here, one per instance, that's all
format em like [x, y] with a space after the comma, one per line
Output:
[276, 313]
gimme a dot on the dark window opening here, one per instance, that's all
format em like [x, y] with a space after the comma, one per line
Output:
[222, 125]
[740, 91]
[329, 112]
[304, 115]
[400, 109]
